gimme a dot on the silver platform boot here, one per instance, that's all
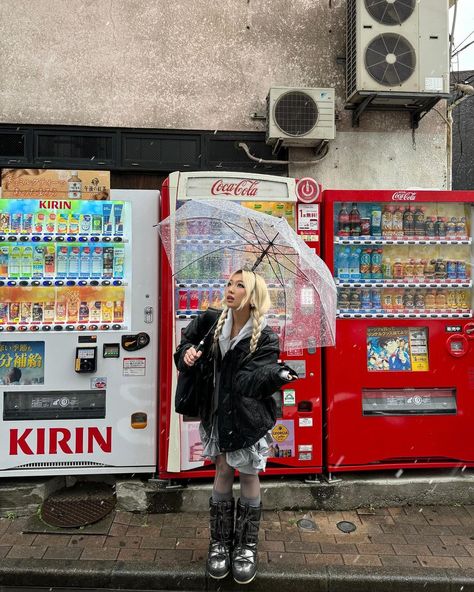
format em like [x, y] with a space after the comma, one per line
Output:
[221, 534]
[244, 554]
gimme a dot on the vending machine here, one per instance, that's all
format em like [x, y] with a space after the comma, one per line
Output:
[399, 384]
[297, 438]
[78, 337]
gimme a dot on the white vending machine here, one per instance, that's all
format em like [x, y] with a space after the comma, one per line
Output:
[78, 335]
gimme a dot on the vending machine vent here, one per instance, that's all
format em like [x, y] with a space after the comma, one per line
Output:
[58, 465]
[390, 12]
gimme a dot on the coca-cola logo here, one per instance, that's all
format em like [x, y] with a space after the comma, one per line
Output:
[244, 188]
[404, 196]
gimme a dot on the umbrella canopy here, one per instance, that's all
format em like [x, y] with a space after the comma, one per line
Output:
[207, 240]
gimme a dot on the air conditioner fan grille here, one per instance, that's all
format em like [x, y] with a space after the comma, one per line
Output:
[295, 113]
[390, 12]
[390, 59]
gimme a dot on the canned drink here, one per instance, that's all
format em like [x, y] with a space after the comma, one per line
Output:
[376, 299]
[194, 300]
[420, 300]
[387, 299]
[461, 270]
[182, 299]
[461, 299]
[451, 270]
[365, 226]
[343, 299]
[354, 302]
[451, 299]
[366, 299]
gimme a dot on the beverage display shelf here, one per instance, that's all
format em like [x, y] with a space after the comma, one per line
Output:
[403, 284]
[191, 314]
[218, 241]
[200, 284]
[68, 238]
[370, 240]
[437, 314]
[63, 327]
[58, 282]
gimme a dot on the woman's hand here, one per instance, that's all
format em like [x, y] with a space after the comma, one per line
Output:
[191, 356]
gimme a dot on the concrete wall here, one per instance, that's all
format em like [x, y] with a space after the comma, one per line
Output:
[201, 64]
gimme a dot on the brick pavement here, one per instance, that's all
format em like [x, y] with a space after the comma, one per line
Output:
[420, 537]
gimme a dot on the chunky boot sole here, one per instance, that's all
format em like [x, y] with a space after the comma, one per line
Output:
[218, 577]
[246, 581]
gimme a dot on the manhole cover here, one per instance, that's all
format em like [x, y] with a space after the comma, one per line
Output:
[306, 524]
[346, 526]
[83, 504]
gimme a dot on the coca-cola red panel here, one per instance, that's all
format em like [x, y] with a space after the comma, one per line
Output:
[297, 435]
[398, 384]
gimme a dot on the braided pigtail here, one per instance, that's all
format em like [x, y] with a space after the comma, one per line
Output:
[220, 324]
[257, 319]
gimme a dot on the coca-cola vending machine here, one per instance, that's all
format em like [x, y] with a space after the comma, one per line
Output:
[297, 435]
[399, 382]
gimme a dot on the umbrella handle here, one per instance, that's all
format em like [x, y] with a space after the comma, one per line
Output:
[200, 345]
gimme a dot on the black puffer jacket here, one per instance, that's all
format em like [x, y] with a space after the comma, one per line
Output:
[246, 410]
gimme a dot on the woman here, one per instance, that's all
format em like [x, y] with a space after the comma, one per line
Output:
[237, 412]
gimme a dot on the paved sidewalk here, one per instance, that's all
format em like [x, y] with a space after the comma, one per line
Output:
[419, 541]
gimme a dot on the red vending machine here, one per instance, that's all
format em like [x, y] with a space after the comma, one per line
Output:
[399, 384]
[297, 439]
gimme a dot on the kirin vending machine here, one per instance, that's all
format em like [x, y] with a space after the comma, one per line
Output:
[297, 438]
[78, 337]
[399, 382]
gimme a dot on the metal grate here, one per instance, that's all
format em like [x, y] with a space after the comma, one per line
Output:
[390, 59]
[351, 44]
[66, 464]
[85, 503]
[390, 12]
[295, 113]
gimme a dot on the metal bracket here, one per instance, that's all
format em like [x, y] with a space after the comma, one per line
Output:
[416, 105]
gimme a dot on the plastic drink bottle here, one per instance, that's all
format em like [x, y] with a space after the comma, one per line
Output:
[61, 262]
[85, 264]
[354, 220]
[376, 264]
[73, 262]
[365, 264]
[354, 264]
[376, 221]
[343, 224]
[38, 262]
[343, 264]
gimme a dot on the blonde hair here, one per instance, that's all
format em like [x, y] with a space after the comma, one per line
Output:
[259, 299]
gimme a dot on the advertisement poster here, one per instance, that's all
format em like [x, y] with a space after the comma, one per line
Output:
[21, 362]
[55, 184]
[191, 446]
[397, 349]
[283, 439]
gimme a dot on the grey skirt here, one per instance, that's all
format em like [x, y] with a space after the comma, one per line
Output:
[250, 460]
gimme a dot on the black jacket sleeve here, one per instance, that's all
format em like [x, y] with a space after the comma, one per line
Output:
[192, 335]
[259, 376]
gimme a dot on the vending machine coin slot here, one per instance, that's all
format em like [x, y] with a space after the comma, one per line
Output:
[305, 406]
[457, 345]
[135, 342]
[86, 359]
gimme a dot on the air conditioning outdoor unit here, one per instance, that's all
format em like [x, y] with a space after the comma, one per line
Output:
[396, 46]
[300, 116]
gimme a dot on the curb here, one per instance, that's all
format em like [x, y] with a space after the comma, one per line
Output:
[148, 576]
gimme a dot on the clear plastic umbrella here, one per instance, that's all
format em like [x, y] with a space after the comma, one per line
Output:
[208, 240]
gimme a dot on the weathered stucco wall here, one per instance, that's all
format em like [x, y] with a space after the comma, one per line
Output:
[200, 65]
